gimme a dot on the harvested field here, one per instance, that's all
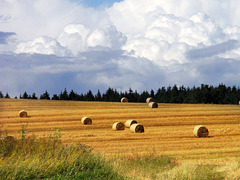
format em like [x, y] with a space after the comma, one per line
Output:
[168, 128]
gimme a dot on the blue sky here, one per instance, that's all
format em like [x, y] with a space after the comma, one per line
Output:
[58, 44]
[99, 3]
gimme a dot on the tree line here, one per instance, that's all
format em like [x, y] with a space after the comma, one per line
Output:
[204, 94]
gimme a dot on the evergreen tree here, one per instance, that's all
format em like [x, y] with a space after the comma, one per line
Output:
[130, 95]
[203, 94]
[64, 95]
[7, 95]
[222, 94]
[25, 95]
[237, 96]
[1, 95]
[169, 95]
[206, 93]
[174, 95]
[34, 96]
[144, 96]
[55, 97]
[152, 93]
[45, 96]
[234, 96]
[109, 96]
[98, 96]
[81, 97]
[182, 95]
[89, 96]
[72, 96]
[136, 96]
[161, 95]
[116, 96]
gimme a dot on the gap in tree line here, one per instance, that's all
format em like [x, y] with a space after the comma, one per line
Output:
[204, 94]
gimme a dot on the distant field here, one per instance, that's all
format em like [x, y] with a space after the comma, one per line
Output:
[168, 129]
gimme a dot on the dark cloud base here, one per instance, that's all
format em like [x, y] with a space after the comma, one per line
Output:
[100, 70]
[5, 36]
[213, 50]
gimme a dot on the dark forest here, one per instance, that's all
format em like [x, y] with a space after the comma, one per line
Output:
[205, 94]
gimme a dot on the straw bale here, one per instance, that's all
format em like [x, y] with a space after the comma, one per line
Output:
[128, 123]
[200, 131]
[86, 120]
[23, 113]
[118, 126]
[153, 105]
[150, 99]
[137, 128]
[124, 100]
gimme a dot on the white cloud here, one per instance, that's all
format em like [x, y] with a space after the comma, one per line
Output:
[106, 36]
[135, 13]
[74, 37]
[30, 19]
[42, 45]
[167, 37]
[132, 44]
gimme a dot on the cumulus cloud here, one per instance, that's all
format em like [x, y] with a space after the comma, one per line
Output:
[133, 44]
[31, 19]
[106, 36]
[74, 39]
[136, 13]
[165, 32]
[167, 37]
[42, 45]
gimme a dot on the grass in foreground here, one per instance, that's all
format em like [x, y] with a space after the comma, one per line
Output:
[143, 167]
[193, 171]
[163, 167]
[49, 158]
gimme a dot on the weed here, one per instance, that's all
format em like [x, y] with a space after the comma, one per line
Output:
[144, 167]
[192, 171]
[24, 131]
[49, 158]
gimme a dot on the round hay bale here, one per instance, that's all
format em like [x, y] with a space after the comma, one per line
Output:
[239, 102]
[200, 131]
[124, 100]
[86, 120]
[150, 99]
[128, 123]
[153, 105]
[137, 128]
[118, 126]
[23, 113]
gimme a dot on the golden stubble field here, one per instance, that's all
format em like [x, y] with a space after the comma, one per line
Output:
[168, 129]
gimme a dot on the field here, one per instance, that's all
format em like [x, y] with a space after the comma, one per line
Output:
[168, 128]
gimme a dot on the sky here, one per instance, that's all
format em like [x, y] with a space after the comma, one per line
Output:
[98, 3]
[89, 45]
